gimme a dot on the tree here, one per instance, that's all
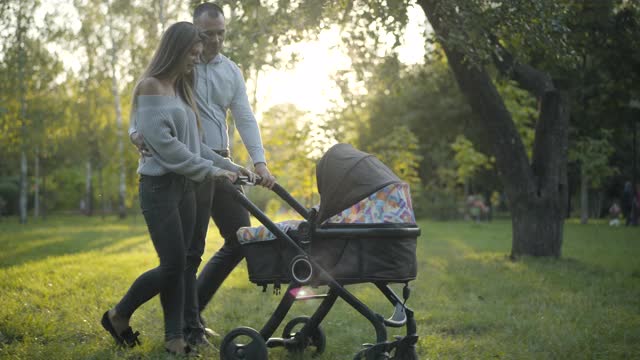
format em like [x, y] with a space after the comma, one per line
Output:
[291, 142]
[28, 79]
[606, 36]
[115, 40]
[21, 30]
[536, 190]
[593, 157]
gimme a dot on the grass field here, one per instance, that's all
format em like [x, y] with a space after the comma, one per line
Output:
[58, 277]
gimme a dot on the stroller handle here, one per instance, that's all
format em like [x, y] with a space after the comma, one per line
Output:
[284, 195]
[280, 191]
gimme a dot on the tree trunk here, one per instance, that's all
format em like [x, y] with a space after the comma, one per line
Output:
[44, 203]
[584, 198]
[122, 187]
[23, 186]
[23, 118]
[536, 191]
[36, 185]
[88, 196]
[534, 225]
[597, 213]
[103, 199]
[538, 225]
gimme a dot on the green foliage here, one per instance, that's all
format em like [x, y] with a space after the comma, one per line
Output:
[468, 159]
[523, 109]
[65, 187]
[538, 25]
[593, 156]
[9, 191]
[399, 151]
[293, 146]
[437, 203]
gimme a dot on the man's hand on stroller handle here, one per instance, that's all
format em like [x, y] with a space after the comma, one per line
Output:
[267, 179]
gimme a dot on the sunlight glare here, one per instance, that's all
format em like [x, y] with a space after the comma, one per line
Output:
[308, 85]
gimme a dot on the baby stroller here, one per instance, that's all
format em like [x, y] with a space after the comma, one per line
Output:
[363, 232]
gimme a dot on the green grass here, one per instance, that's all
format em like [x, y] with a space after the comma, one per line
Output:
[58, 277]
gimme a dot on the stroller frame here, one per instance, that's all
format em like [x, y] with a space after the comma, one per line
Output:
[311, 334]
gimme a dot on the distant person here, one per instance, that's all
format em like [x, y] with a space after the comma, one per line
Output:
[614, 214]
[626, 203]
[220, 88]
[164, 113]
[477, 208]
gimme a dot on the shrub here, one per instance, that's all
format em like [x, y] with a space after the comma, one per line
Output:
[436, 203]
[9, 192]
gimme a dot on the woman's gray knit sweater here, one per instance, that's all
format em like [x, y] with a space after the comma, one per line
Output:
[170, 131]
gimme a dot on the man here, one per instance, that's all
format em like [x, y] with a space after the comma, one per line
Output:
[219, 87]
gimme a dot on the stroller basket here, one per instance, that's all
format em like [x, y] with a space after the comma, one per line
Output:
[351, 253]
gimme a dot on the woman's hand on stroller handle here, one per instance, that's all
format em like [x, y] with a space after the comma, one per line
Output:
[246, 177]
[246, 180]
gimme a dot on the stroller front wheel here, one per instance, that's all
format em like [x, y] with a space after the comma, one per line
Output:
[313, 337]
[243, 343]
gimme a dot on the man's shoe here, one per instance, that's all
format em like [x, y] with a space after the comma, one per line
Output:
[207, 331]
[210, 333]
[196, 339]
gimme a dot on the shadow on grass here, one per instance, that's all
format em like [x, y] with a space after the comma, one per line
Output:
[485, 295]
[23, 243]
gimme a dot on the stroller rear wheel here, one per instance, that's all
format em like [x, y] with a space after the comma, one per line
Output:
[316, 338]
[243, 343]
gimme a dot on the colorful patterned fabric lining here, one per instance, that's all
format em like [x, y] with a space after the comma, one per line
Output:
[260, 233]
[391, 204]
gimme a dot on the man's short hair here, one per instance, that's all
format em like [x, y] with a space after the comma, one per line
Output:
[211, 9]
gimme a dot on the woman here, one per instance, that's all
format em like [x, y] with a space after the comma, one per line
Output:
[165, 115]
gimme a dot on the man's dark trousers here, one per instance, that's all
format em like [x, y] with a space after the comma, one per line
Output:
[228, 216]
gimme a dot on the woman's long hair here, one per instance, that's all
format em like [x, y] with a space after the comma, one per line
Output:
[174, 46]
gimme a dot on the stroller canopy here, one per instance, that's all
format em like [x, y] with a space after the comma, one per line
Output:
[346, 176]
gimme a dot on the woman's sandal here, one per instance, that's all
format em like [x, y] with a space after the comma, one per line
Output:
[107, 325]
[130, 337]
[127, 337]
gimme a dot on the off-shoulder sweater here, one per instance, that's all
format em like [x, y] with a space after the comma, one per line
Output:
[170, 131]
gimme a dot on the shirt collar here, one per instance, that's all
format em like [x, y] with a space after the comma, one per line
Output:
[216, 60]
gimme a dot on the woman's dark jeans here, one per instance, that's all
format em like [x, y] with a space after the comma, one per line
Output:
[168, 204]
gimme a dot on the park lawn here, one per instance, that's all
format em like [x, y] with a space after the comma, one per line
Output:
[57, 277]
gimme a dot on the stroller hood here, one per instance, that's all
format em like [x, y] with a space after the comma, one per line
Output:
[346, 176]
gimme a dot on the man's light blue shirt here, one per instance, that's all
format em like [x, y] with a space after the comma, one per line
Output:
[220, 87]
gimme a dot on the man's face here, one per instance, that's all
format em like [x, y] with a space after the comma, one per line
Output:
[213, 31]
